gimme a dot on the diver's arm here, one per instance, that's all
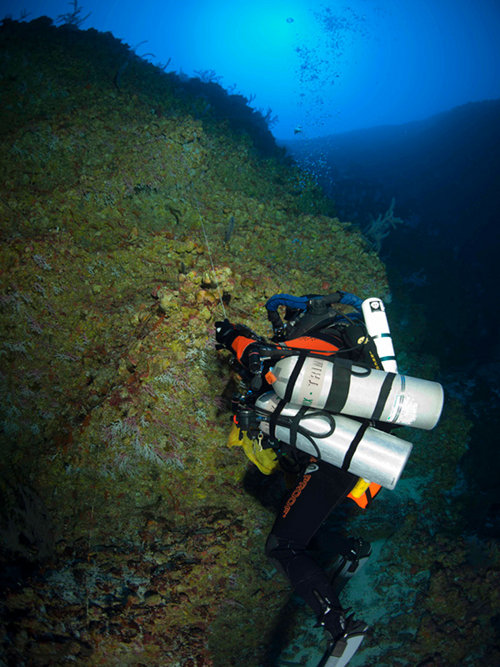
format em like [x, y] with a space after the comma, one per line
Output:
[233, 337]
[249, 351]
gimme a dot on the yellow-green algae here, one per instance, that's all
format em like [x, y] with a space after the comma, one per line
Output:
[138, 542]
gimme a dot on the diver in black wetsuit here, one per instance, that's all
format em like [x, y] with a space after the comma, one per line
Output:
[320, 489]
[312, 327]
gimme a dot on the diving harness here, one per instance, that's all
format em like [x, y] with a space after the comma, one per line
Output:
[328, 406]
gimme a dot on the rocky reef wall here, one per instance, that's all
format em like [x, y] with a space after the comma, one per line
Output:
[129, 214]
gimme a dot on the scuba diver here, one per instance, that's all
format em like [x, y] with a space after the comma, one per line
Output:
[321, 365]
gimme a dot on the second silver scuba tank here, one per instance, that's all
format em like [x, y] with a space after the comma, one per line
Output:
[341, 386]
[344, 443]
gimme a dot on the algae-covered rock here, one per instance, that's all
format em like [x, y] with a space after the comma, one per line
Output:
[115, 204]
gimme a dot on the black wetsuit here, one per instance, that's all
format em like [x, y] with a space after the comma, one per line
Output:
[320, 488]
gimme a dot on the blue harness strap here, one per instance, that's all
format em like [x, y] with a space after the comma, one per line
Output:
[298, 302]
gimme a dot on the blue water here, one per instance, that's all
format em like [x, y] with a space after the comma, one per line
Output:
[320, 67]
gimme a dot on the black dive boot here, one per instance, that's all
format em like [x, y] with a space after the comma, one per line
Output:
[348, 563]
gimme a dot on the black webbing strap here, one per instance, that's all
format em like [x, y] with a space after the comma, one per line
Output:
[294, 425]
[290, 385]
[383, 395]
[371, 495]
[273, 419]
[354, 445]
[341, 381]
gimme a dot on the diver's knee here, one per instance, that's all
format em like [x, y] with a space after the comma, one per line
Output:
[277, 552]
[282, 551]
[272, 543]
[279, 547]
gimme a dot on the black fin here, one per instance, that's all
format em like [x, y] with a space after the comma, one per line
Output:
[340, 652]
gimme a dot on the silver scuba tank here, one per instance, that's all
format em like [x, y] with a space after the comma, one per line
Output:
[340, 386]
[373, 310]
[340, 441]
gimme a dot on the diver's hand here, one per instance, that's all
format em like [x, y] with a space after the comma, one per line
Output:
[223, 333]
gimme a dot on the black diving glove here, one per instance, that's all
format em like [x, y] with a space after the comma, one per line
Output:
[224, 334]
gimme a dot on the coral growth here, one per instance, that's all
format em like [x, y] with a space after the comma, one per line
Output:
[381, 226]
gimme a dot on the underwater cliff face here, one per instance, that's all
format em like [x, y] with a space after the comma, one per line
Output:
[125, 528]
[129, 210]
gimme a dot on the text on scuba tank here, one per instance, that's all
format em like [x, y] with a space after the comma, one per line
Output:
[314, 378]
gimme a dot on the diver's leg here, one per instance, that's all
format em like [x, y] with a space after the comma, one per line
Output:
[320, 489]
